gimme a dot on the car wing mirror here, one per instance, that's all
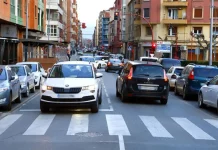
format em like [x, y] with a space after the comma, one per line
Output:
[208, 83]
[12, 78]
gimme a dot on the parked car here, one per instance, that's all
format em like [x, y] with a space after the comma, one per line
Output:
[38, 72]
[173, 73]
[26, 77]
[10, 88]
[143, 80]
[114, 64]
[208, 94]
[167, 63]
[72, 84]
[192, 78]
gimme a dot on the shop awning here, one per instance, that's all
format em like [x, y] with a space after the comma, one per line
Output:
[35, 42]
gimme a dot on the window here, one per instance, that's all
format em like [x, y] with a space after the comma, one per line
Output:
[198, 13]
[19, 70]
[197, 30]
[38, 16]
[19, 10]
[215, 12]
[172, 31]
[146, 13]
[36, 11]
[173, 13]
[12, 3]
[148, 31]
[52, 30]
[215, 30]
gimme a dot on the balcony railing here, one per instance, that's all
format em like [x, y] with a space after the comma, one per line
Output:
[175, 3]
[168, 20]
[137, 4]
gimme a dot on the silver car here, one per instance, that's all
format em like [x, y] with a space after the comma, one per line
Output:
[10, 88]
[26, 77]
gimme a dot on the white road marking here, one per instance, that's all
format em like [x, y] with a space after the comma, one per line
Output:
[79, 123]
[7, 121]
[106, 95]
[40, 125]
[192, 129]
[109, 100]
[121, 142]
[29, 110]
[116, 125]
[213, 122]
[155, 127]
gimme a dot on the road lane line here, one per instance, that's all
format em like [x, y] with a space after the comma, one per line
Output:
[79, 124]
[192, 129]
[116, 125]
[109, 100]
[111, 108]
[213, 122]
[7, 121]
[40, 125]
[155, 127]
[24, 110]
[121, 142]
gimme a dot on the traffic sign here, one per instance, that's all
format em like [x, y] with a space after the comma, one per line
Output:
[129, 48]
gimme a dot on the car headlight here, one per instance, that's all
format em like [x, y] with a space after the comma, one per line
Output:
[36, 77]
[23, 84]
[91, 88]
[45, 88]
[2, 89]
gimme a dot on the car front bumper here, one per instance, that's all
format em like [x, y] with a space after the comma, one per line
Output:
[4, 97]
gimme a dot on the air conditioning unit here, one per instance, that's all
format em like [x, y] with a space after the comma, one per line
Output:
[183, 48]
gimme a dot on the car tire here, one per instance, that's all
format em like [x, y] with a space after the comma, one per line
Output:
[27, 94]
[184, 94]
[100, 98]
[38, 87]
[18, 100]
[175, 90]
[164, 101]
[94, 107]
[117, 93]
[99, 66]
[123, 97]
[43, 107]
[33, 89]
[8, 107]
[201, 100]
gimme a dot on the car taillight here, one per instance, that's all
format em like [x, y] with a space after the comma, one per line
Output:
[191, 75]
[109, 64]
[121, 64]
[165, 76]
[129, 76]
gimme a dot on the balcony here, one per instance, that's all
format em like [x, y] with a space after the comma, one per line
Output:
[174, 21]
[175, 3]
[137, 4]
[137, 20]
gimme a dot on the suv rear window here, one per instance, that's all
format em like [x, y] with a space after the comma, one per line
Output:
[178, 71]
[170, 63]
[115, 61]
[149, 71]
[205, 72]
[149, 59]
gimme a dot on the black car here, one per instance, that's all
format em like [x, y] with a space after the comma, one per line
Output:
[143, 79]
[114, 64]
[167, 63]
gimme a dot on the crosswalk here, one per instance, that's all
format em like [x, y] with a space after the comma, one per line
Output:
[115, 124]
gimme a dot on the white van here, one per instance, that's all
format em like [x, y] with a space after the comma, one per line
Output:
[152, 59]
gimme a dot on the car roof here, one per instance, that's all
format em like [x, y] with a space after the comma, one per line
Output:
[178, 67]
[17, 65]
[28, 62]
[202, 66]
[73, 62]
[149, 57]
[137, 62]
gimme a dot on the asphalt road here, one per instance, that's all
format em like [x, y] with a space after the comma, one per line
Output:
[137, 125]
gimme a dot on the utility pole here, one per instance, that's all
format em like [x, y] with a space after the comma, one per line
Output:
[49, 17]
[211, 34]
[27, 22]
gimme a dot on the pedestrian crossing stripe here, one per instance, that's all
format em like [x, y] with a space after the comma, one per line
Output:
[116, 125]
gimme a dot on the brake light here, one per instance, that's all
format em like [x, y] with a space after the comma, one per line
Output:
[109, 64]
[165, 76]
[129, 76]
[191, 75]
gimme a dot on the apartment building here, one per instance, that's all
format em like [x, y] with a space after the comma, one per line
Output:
[13, 28]
[111, 30]
[96, 34]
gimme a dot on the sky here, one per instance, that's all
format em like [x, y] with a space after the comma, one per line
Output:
[88, 12]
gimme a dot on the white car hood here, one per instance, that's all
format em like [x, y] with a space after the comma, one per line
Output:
[72, 82]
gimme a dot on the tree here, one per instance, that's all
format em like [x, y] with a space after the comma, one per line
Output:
[203, 43]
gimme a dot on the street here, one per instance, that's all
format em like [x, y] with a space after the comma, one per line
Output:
[136, 125]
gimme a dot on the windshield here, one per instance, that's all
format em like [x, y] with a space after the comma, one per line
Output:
[33, 67]
[89, 59]
[115, 61]
[19, 70]
[205, 72]
[2, 74]
[149, 59]
[170, 63]
[150, 71]
[99, 58]
[178, 71]
[71, 71]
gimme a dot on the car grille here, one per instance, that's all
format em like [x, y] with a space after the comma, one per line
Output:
[69, 90]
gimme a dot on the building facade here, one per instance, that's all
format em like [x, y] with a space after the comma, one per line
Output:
[13, 22]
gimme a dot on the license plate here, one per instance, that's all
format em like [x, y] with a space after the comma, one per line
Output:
[116, 65]
[148, 88]
[65, 95]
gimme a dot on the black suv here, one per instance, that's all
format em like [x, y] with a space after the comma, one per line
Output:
[143, 79]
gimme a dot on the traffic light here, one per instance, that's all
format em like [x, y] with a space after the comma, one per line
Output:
[116, 15]
[83, 25]
[153, 48]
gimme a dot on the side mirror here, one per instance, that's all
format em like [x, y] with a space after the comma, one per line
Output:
[208, 83]
[45, 75]
[12, 78]
[173, 76]
[99, 75]
[28, 74]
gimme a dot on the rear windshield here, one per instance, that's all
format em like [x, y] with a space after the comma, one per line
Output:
[178, 71]
[205, 72]
[170, 63]
[115, 61]
[149, 71]
[149, 59]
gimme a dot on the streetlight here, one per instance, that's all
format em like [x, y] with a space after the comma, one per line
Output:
[211, 33]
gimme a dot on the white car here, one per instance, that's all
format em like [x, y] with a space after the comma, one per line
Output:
[38, 71]
[173, 73]
[72, 84]
[208, 94]
[101, 61]
[152, 59]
